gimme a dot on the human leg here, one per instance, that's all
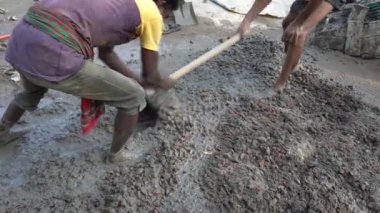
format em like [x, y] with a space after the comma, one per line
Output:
[96, 82]
[28, 99]
[295, 10]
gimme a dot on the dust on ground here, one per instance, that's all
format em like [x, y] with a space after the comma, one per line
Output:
[230, 148]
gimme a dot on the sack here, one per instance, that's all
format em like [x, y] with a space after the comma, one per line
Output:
[355, 30]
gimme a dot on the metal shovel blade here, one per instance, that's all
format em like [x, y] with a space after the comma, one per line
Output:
[185, 15]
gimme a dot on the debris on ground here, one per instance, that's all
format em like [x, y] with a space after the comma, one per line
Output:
[3, 46]
[3, 11]
[12, 18]
[354, 30]
[13, 75]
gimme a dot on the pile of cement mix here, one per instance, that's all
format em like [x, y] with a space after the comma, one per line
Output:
[229, 148]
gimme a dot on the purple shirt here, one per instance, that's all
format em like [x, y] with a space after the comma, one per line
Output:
[104, 22]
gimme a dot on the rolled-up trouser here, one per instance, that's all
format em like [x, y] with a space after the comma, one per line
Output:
[92, 82]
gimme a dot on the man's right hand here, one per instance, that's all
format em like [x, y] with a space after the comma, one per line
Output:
[244, 28]
[256, 8]
[157, 82]
[295, 34]
[166, 83]
[151, 77]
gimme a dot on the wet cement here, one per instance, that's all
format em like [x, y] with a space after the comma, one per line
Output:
[230, 147]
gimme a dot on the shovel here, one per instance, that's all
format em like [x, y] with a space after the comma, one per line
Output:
[185, 15]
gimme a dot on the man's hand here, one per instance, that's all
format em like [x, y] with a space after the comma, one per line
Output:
[295, 34]
[256, 8]
[151, 76]
[166, 83]
[157, 82]
[244, 28]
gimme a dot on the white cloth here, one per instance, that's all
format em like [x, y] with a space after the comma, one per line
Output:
[277, 8]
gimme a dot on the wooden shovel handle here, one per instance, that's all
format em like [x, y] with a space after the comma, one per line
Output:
[205, 57]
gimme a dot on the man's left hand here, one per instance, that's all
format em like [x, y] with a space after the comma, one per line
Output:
[157, 82]
[295, 34]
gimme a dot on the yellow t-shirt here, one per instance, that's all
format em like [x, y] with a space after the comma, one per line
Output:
[151, 27]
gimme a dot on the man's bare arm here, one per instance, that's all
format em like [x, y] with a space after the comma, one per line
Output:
[307, 20]
[297, 32]
[255, 10]
[317, 14]
[149, 60]
[150, 75]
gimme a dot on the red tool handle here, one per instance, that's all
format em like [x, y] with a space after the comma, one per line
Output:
[4, 37]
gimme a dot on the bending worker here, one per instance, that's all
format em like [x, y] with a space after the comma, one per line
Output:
[52, 48]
